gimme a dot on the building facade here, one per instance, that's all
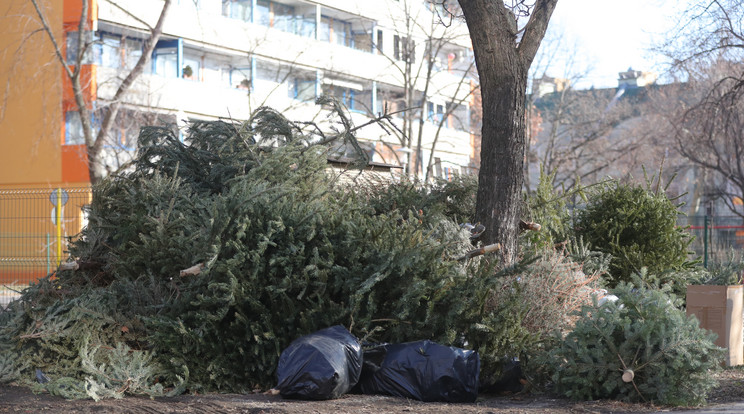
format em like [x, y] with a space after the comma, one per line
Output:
[215, 59]
[222, 59]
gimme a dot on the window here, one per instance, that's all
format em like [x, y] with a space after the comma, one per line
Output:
[341, 32]
[409, 50]
[362, 41]
[343, 95]
[379, 40]
[362, 101]
[459, 117]
[125, 131]
[335, 31]
[324, 31]
[73, 129]
[165, 62]
[126, 136]
[237, 9]
[111, 49]
[354, 100]
[306, 26]
[270, 14]
[110, 55]
[132, 51]
[262, 14]
[404, 49]
[191, 68]
[283, 17]
[240, 78]
[391, 101]
[302, 90]
[431, 114]
[216, 73]
[72, 49]
[396, 47]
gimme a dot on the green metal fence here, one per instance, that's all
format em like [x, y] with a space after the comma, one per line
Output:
[36, 225]
[715, 236]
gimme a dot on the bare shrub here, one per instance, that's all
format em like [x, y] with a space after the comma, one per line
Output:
[548, 291]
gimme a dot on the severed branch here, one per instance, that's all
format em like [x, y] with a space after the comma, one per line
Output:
[193, 270]
[528, 225]
[523, 226]
[481, 251]
[69, 266]
[79, 265]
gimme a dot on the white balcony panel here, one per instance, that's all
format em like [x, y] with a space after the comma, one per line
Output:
[219, 33]
[173, 94]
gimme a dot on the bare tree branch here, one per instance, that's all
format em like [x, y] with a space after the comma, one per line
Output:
[52, 38]
[130, 14]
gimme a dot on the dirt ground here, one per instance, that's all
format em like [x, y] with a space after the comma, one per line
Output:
[21, 400]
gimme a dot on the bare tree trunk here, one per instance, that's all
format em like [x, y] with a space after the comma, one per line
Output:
[500, 179]
[503, 56]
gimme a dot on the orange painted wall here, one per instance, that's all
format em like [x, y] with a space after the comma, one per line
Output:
[75, 164]
[35, 93]
[31, 92]
[72, 13]
[32, 154]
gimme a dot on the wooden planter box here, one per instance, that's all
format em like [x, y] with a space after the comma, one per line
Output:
[719, 309]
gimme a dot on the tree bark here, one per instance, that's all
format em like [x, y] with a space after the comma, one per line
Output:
[503, 57]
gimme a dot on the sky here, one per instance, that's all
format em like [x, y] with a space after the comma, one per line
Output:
[609, 36]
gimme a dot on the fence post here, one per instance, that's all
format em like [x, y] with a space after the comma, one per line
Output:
[59, 226]
[706, 235]
[705, 242]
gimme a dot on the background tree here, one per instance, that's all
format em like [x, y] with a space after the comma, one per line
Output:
[425, 38]
[586, 135]
[708, 133]
[704, 118]
[77, 50]
[504, 52]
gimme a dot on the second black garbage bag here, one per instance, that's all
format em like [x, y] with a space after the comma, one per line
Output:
[422, 370]
[320, 366]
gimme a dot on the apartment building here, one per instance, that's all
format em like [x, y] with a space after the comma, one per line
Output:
[220, 59]
[216, 59]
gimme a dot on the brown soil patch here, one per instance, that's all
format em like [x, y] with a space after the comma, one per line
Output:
[22, 400]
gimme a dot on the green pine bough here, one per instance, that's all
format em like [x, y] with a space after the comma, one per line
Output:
[281, 251]
[640, 348]
[637, 226]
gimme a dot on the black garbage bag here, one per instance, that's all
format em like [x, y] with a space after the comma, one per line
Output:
[323, 365]
[512, 380]
[421, 370]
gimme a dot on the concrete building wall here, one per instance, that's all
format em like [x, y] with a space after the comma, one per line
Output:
[30, 97]
[214, 62]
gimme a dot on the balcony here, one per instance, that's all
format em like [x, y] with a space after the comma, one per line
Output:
[209, 100]
[215, 32]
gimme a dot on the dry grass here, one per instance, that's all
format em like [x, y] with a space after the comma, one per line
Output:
[552, 288]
